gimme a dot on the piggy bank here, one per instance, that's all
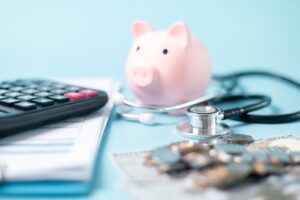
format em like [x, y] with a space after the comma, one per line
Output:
[167, 67]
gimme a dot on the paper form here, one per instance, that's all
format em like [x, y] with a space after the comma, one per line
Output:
[61, 151]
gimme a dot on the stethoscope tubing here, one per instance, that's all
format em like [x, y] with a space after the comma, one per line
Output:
[262, 101]
[239, 113]
[259, 118]
[155, 109]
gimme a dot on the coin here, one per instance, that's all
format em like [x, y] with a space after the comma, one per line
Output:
[198, 181]
[172, 169]
[278, 157]
[198, 160]
[210, 178]
[238, 170]
[261, 156]
[259, 168]
[295, 157]
[263, 169]
[149, 161]
[220, 156]
[238, 138]
[165, 155]
[233, 149]
[222, 175]
[244, 158]
[188, 147]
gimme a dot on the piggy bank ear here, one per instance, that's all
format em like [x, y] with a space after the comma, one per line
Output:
[140, 28]
[181, 32]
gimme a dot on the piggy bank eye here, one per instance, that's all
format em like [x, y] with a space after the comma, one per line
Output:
[138, 48]
[165, 51]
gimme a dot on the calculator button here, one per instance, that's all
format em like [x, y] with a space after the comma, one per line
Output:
[59, 85]
[16, 89]
[24, 105]
[43, 94]
[26, 97]
[9, 101]
[2, 97]
[47, 83]
[43, 101]
[13, 94]
[89, 93]
[8, 82]
[74, 96]
[5, 86]
[2, 91]
[32, 86]
[45, 88]
[58, 91]
[59, 98]
[73, 89]
[24, 81]
[30, 91]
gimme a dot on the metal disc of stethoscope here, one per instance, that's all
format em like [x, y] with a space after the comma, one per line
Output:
[201, 123]
[185, 129]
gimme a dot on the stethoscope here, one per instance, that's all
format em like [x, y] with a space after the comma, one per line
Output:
[203, 117]
[203, 121]
[146, 115]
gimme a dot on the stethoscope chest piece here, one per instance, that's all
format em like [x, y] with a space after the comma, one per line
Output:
[201, 123]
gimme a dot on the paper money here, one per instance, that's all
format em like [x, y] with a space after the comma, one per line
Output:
[145, 182]
[290, 142]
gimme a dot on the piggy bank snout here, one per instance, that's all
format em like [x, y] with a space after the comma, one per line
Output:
[143, 76]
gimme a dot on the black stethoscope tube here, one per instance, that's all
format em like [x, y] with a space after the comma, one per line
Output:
[242, 115]
[235, 113]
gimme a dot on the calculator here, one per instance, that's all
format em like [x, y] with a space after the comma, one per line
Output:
[29, 103]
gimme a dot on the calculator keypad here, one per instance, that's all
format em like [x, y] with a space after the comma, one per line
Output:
[32, 94]
[26, 97]
[43, 101]
[74, 96]
[59, 98]
[25, 105]
[9, 101]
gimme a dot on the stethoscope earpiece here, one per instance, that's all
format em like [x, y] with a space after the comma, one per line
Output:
[118, 98]
[147, 118]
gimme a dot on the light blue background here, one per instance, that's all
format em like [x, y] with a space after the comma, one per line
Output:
[59, 38]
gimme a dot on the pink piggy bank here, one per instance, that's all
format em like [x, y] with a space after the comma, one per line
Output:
[168, 67]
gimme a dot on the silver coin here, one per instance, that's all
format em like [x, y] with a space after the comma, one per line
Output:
[295, 157]
[233, 149]
[239, 169]
[198, 160]
[165, 155]
[263, 168]
[244, 158]
[220, 156]
[238, 138]
[189, 147]
[279, 157]
[225, 175]
[261, 156]
[172, 169]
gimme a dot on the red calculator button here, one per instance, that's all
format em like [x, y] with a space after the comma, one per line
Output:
[74, 96]
[89, 93]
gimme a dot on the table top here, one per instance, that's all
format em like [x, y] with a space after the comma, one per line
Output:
[91, 38]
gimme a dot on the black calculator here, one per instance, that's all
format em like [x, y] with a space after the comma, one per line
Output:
[27, 104]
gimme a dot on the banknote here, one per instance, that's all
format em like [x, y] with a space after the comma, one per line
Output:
[147, 183]
[290, 142]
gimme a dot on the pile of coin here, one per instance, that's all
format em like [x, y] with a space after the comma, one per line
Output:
[212, 163]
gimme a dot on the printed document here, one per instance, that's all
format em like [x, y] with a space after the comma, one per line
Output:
[62, 151]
